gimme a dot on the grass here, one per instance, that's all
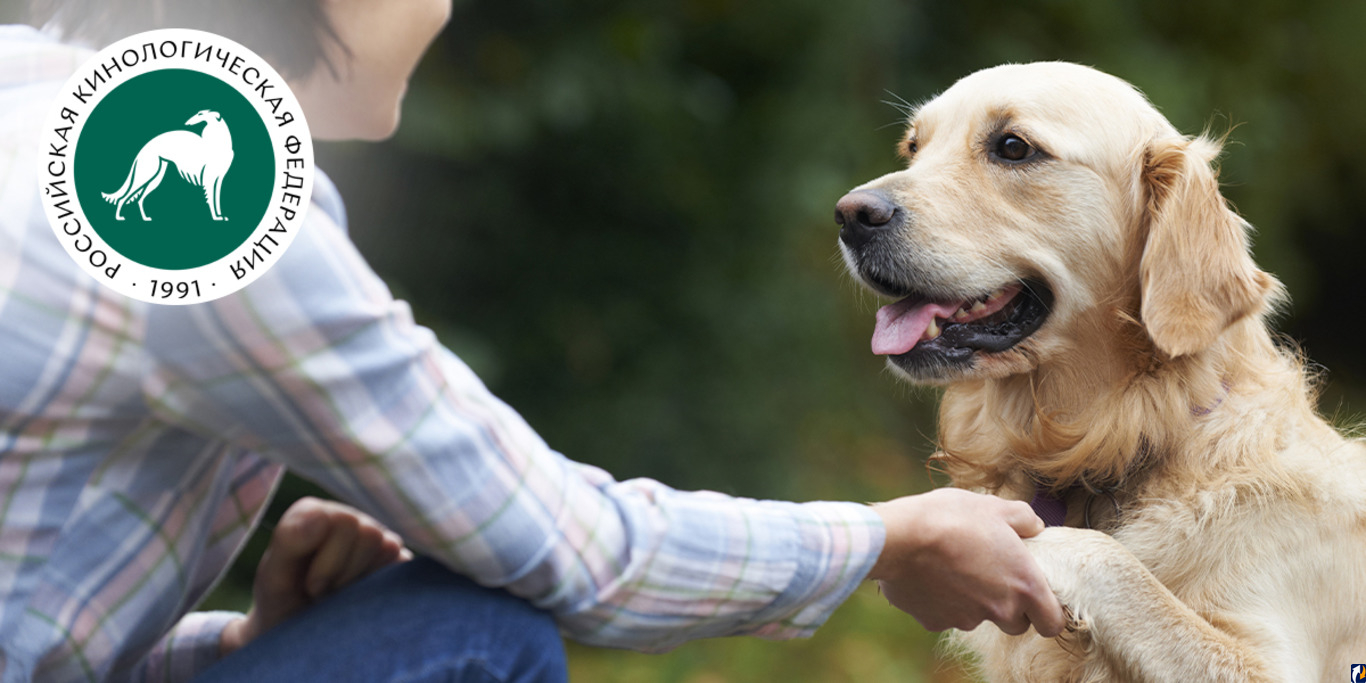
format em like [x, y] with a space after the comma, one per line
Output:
[866, 640]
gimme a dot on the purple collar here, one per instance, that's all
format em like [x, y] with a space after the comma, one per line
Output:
[1050, 509]
[1053, 511]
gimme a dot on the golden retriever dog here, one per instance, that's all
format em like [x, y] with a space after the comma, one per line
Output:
[1064, 264]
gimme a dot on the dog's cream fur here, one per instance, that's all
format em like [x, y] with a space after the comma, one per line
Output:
[1235, 546]
[202, 160]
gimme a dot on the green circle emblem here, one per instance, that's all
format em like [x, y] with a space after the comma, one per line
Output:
[173, 226]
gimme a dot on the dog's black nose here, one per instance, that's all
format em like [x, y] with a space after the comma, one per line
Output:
[862, 214]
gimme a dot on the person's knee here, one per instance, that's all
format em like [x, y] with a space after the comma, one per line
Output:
[502, 637]
[408, 623]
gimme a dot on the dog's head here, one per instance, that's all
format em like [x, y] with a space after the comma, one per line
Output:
[204, 116]
[1039, 201]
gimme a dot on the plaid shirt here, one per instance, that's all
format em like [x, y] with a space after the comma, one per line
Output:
[140, 443]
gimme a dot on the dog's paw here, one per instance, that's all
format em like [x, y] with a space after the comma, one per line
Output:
[1077, 564]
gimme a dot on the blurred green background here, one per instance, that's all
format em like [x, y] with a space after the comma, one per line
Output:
[620, 214]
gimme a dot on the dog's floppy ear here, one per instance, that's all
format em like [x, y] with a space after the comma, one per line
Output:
[1196, 275]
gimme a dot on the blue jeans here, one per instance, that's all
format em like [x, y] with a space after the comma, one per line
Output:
[410, 623]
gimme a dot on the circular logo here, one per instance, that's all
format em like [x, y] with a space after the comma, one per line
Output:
[177, 166]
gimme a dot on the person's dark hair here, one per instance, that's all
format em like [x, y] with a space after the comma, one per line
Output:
[289, 34]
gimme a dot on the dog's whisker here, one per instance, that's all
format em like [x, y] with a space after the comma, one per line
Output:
[901, 104]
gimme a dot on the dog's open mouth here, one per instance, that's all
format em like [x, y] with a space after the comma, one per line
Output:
[917, 330]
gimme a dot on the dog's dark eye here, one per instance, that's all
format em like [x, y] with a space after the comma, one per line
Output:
[908, 149]
[1011, 147]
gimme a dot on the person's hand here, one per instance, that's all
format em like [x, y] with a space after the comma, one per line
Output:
[954, 559]
[318, 547]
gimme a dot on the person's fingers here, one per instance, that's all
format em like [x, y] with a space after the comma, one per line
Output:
[367, 547]
[391, 550]
[936, 622]
[1022, 518]
[1041, 605]
[301, 530]
[333, 556]
[1046, 614]
[1014, 624]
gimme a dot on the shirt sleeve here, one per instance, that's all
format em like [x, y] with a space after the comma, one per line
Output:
[187, 650]
[317, 366]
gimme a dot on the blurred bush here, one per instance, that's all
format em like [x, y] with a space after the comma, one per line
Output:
[620, 214]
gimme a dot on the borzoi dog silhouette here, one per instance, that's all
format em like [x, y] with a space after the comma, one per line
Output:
[202, 159]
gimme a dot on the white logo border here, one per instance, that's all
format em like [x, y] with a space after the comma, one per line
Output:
[230, 62]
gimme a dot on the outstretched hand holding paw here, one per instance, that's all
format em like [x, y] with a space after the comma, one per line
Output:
[954, 559]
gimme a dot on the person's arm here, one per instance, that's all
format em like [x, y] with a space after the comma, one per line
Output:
[316, 366]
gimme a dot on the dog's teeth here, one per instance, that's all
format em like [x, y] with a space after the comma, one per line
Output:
[960, 314]
[977, 306]
[996, 294]
[932, 331]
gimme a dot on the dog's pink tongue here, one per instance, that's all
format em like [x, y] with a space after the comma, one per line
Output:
[901, 325]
